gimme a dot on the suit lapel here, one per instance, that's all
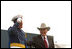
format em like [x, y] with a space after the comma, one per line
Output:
[41, 41]
[49, 41]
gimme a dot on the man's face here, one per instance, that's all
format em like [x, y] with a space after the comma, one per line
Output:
[43, 31]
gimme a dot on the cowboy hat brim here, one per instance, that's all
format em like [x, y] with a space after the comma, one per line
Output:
[48, 28]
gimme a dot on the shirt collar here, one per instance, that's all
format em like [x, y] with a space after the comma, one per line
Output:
[43, 37]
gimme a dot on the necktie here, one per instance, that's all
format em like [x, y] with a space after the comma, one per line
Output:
[45, 42]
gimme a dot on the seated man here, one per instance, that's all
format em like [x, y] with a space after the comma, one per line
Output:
[42, 40]
[16, 35]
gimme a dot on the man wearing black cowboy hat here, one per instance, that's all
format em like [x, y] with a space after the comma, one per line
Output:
[42, 40]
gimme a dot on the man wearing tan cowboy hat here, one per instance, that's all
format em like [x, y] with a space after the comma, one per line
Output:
[16, 34]
[42, 40]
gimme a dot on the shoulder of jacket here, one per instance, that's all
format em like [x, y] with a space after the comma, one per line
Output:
[51, 37]
[9, 28]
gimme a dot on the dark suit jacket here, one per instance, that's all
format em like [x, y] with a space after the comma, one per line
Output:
[38, 42]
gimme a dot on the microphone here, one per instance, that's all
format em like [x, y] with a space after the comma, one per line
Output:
[19, 20]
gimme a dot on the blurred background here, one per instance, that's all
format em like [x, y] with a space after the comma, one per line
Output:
[56, 14]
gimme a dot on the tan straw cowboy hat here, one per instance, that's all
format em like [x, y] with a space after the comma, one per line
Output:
[43, 25]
